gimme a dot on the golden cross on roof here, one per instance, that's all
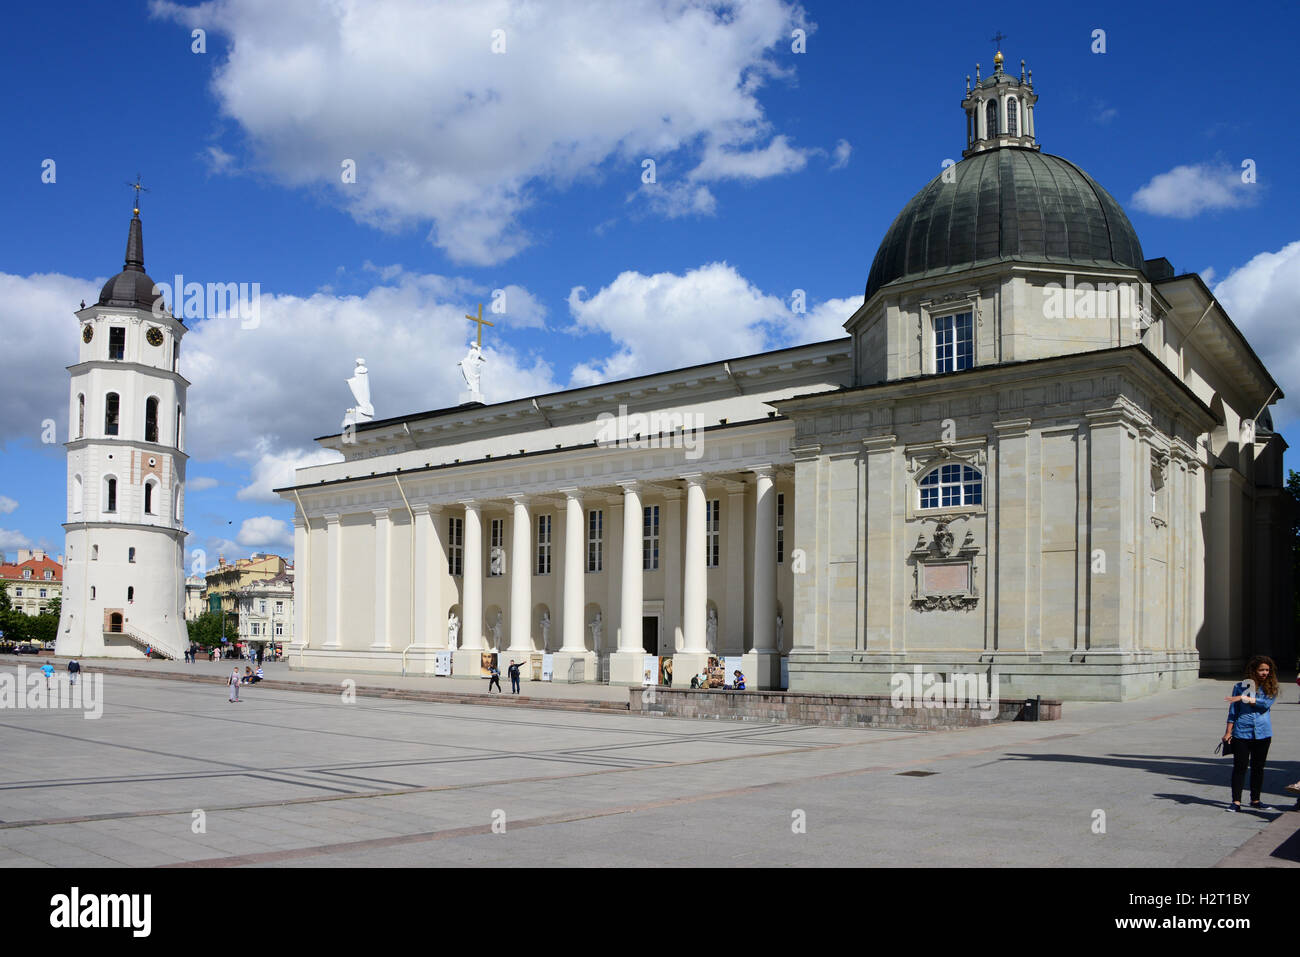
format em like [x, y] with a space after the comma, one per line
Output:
[481, 323]
[138, 189]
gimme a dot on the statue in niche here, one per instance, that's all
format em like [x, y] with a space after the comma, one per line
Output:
[943, 538]
[496, 632]
[497, 563]
[453, 631]
[595, 632]
[780, 628]
[711, 631]
[546, 630]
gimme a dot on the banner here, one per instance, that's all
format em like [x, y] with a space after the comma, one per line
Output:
[715, 672]
[649, 670]
[548, 667]
[487, 660]
[730, 666]
[442, 664]
[666, 671]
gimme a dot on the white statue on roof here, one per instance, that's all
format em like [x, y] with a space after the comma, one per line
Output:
[360, 386]
[471, 369]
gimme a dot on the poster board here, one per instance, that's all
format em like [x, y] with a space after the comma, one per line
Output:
[715, 672]
[666, 671]
[442, 664]
[548, 667]
[649, 670]
[487, 661]
[730, 666]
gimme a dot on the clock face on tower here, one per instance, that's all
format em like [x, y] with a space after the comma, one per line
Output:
[154, 336]
[87, 333]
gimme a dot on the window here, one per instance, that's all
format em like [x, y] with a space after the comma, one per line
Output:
[27, 573]
[650, 538]
[117, 342]
[130, 594]
[76, 495]
[130, 554]
[780, 528]
[18, 591]
[953, 345]
[712, 525]
[49, 575]
[1012, 111]
[81, 415]
[496, 546]
[179, 423]
[595, 540]
[456, 546]
[148, 498]
[151, 419]
[92, 592]
[279, 629]
[110, 413]
[110, 495]
[261, 609]
[44, 593]
[543, 544]
[279, 608]
[950, 485]
[94, 553]
[991, 119]
[176, 503]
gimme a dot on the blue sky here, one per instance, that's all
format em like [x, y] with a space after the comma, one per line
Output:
[522, 171]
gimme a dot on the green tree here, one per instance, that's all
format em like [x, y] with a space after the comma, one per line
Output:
[206, 629]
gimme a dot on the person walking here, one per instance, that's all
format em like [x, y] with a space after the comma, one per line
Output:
[513, 671]
[48, 670]
[234, 685]
[74, 669]
[1249, 730]
[496, 679]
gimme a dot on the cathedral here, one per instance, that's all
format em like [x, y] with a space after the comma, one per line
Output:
[1035, 454]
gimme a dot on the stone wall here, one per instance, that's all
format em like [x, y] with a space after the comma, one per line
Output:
[831, 710]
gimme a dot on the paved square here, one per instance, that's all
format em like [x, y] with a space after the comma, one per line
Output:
[303, 779]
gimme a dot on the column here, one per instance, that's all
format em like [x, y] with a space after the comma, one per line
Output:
[625, 663]
[301, 580]
[763, 662]
[694, 655]
[521, 581]
[465, 662]
[426, 579]
[671, 552]
[383, 579]
[333, 578]
[731, 636]
[574, 662]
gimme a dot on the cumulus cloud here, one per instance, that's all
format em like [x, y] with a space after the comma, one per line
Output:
[840, 155]
[200, 484]
[444, 130]
[824, 321]
[274, 469]
[264, 531]
[7, 505]
[675, 200]
[1261, 296]
[1185, 191]
[13, 539]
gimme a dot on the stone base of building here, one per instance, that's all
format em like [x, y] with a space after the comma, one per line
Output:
[628, 668]
[469, 664]
[419, 661]
[762, 671]
[686, 665]
[1083, 676]
[572, 667]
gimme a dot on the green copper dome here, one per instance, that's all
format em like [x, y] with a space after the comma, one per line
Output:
[1006, 205]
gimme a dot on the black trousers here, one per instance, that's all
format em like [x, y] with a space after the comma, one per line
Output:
[1254, 750]
[495, 681]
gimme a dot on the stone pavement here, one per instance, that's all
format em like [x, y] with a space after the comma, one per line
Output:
[173, 774]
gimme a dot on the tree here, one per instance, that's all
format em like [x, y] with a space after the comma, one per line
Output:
[206, 629]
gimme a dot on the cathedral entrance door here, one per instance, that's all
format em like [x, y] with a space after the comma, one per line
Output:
[650, 634]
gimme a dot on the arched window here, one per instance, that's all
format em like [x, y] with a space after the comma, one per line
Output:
[1012, 120]
[151, 419]
[148, 497]
[950, 485]
[92, 592]
[176, 503]
[110, 413]
[179, 423]
[130, 594]
[110, 494]
[130, 554]
[76, 495]
[81, 415]
[991, 119]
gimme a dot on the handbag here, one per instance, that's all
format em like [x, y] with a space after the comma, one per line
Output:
[1220, 749]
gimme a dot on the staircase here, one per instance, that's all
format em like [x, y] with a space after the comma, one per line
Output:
[144, 642]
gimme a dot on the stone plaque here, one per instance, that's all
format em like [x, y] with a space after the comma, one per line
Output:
[945, 578]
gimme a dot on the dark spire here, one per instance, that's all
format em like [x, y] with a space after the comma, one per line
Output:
[135, 246]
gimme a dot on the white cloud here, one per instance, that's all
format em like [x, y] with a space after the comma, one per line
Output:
[274, 469]
[1185, 191]
[840, 155]
[444, 131]
[264, 531]
[7, 505]
[523, 310]
[1208, 274]
[13, 539]
[1261, 296]
[218, 160]
[674, 200]
[824, 321]
[200, 484]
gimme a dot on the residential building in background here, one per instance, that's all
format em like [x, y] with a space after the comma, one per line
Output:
[33, 580]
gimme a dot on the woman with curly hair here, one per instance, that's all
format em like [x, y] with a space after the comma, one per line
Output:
[1249, 729]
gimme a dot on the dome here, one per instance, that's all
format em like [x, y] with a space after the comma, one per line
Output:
[131, 287]
[1006, 205]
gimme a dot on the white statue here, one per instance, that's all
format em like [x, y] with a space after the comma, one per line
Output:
[595, 632]
[453, 631]
[471, 369]
[546, 629]
[496, 632]
[780, 627]
[360, 386]
[497, 561]
[711, 630]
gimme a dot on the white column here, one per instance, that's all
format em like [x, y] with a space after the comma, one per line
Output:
[301, 579]
[471, 603]
[521, 580]
[333, 578]
[695, 577]
[383, 579]
[764, 607]
[625, 663]
[574, 570]
[731, 636]
[426, 579]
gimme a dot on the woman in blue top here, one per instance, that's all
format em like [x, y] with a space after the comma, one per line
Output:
[1249, 729]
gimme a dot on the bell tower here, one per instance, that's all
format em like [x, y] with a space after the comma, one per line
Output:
[1000, 109]
[124, 581]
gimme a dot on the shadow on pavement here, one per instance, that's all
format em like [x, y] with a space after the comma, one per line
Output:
[1208, 772]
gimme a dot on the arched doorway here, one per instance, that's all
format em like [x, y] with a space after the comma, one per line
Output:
[115, 623]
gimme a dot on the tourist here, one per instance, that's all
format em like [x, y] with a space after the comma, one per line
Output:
[74, 669]
[695, 682]
[513, 672]
[496, 679]
[248, 675]
[48, 670]
[740, 681]
[702, 679]
[234, 685]
[257, 676]
[1249, 729]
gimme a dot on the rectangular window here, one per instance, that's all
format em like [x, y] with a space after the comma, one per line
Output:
[497, 547]
[43, 595]
[953, 343]
[780, 528]
[650, 538]
[595, 540]
[279, 629]
[712, 526]
[456, 546]
[543, 544]
[261, 607]
[18, 591]
[117, 342]
[279, 608]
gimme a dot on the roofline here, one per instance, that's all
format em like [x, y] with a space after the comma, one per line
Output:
[432, 413]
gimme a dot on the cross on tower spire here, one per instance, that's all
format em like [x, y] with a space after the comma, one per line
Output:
[139, 188]
[997, 39]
